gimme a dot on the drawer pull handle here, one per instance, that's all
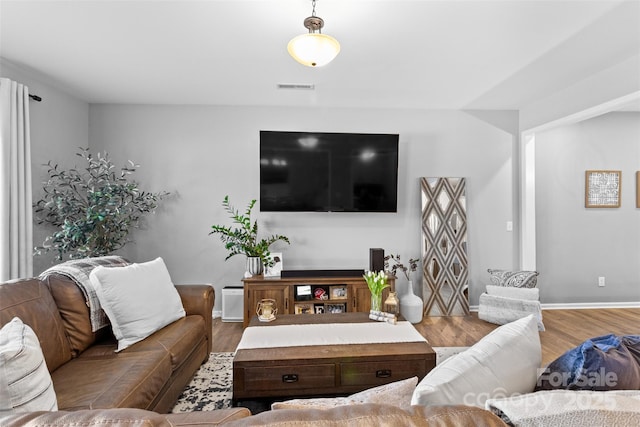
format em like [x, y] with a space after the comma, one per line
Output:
[290, 378]
[383, 373]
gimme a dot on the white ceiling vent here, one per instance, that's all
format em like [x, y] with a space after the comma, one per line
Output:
[297, 86]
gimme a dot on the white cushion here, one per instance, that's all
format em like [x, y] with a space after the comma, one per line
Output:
[396, 394]
[570, 408]
[501, 364]
[139, 299]
[529, 294]
[499, 309]
[25, 382]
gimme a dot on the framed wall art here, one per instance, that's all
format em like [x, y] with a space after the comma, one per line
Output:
[602, 189]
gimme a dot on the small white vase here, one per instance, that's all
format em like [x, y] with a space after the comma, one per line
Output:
[254, 265]
[411, 305]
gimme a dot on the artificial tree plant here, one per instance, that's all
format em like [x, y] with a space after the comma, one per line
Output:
[243, 240]
[93, 208]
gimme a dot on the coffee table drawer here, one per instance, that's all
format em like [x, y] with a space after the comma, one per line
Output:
[381, 372]
[289, 377]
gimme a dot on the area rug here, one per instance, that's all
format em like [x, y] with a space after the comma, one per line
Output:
[211, 387]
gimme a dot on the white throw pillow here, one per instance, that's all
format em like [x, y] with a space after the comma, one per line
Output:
[139, 299]
[503, 363]
[529, 294]
[25, 382]
[397, 393]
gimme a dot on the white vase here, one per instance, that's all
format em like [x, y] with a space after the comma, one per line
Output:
[411, 305]
[254, 265]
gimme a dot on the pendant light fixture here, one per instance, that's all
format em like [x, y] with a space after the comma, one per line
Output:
[313, 49]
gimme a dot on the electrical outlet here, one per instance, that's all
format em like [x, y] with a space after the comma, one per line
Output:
[509, 225]
[601, 281]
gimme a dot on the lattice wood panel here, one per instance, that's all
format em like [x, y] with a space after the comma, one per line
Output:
[444, 246]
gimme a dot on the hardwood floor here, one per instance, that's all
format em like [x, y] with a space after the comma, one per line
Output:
[564, 329]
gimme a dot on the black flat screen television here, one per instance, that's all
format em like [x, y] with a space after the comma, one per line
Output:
[328, 172]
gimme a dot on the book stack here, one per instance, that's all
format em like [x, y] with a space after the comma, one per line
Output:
[382, 316]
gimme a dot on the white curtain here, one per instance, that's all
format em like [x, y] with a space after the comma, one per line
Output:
[16, 225]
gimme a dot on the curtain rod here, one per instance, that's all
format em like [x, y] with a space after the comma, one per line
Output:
[35, 98]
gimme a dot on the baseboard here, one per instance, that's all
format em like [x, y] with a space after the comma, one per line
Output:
[580, 305]
[217, 313]
[585, 305]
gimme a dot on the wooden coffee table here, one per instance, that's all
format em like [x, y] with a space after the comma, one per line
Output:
[320, 370]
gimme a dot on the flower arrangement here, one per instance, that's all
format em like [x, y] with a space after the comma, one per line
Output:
[377, 282]
[394, 262]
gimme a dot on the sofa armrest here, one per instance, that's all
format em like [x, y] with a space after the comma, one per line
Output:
[123, 417]
[199, 300]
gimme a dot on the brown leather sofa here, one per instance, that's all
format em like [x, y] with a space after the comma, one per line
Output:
[86, 371]
[356, 416]
[96, 387]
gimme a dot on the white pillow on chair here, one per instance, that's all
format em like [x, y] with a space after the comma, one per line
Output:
[139, 299]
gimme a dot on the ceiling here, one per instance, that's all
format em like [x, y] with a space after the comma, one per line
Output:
[474, 54]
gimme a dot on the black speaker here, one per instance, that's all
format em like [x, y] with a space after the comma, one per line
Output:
[376, 259]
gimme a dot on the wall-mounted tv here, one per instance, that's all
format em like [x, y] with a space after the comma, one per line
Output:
[328, 172]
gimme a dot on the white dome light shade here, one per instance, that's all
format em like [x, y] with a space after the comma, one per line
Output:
[313, 49]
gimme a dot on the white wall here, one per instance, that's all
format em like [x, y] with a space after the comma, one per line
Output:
[59, 125]
[605, 86]
[201, 153]
[576, 245]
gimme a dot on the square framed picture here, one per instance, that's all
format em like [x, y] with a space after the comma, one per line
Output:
[319, 309]
[335, 308]
[602, 188]
[338, 292]
[276, 269]
[304, 308]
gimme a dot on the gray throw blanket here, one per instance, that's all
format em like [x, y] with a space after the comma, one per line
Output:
[78, 271]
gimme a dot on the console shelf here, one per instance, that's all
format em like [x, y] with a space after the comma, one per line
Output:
[309, 295]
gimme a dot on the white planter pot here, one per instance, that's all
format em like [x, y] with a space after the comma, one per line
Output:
[254, 265]
[411, 306]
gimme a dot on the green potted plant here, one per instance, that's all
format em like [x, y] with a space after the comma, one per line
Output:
[93, 209]
[243, 239]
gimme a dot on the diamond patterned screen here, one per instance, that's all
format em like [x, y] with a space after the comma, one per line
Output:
[444, 246]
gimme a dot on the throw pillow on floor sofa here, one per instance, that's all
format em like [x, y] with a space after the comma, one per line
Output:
[600, 364]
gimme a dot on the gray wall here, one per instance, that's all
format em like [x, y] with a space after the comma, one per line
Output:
[201, 154]
[59, 125]
[576, 245]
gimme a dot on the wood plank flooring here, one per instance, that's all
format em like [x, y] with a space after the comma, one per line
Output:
[564, 329]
